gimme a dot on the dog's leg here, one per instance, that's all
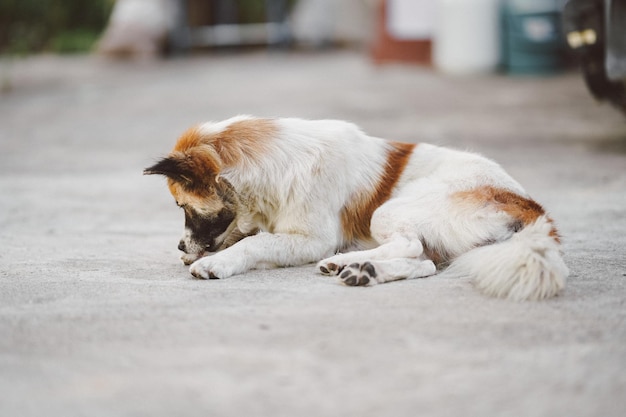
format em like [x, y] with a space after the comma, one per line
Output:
[377, 272]
[400, 256]
[262, 250]
[398, 247]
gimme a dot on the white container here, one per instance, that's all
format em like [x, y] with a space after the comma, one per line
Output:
[411, 19]
[467, 37]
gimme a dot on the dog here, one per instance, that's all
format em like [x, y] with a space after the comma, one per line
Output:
[265, 193]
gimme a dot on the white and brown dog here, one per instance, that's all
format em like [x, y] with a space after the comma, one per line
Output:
[261, 193]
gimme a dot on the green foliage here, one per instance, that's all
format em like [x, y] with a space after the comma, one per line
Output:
[254, 11]
[70, 41]
[51, 25]
[251, 11]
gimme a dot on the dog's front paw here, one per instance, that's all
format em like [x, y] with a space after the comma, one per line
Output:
[359, 274]
[189, 258]
[328, 267]
[212, 268]
[335, 264]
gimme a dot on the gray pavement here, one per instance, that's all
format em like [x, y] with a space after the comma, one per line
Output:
[99, 318]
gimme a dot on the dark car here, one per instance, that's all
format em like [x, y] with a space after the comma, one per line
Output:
[596, 32]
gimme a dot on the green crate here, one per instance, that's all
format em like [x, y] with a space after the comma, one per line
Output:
[532, 38]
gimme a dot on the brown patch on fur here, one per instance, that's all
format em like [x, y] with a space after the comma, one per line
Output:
[235, 236]
[554, 233]
[518, 207]
[523, 210]
[356, 216]
[188, 140]
[200, 200]
[439, 257]
[242, 139]
[207, 153]
[195, 161]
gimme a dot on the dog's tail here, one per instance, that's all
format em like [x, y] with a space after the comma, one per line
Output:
[528, 266]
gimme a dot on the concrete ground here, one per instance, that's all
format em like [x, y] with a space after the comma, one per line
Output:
[99, 318]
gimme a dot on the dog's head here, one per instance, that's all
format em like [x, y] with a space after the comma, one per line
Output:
[209, 201]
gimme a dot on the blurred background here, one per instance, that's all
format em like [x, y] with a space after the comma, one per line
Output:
[456, 37]
[397, 29]
[57, 26]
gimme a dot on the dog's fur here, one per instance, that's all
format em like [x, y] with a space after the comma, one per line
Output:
[261, 193]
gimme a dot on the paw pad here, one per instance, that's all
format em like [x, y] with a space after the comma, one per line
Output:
[359, 274]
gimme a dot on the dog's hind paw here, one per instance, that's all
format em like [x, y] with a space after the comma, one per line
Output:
[359, 274]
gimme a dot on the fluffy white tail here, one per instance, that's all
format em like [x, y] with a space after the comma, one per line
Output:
[528, 266]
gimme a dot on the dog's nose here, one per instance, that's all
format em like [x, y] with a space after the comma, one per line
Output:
[181, 246]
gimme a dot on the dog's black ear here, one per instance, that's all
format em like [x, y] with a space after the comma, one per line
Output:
[172, 167]
[195, 167]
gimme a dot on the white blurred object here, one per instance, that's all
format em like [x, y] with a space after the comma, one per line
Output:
[411, 19]
[322, 22]
[467, 36]
[138, 28]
